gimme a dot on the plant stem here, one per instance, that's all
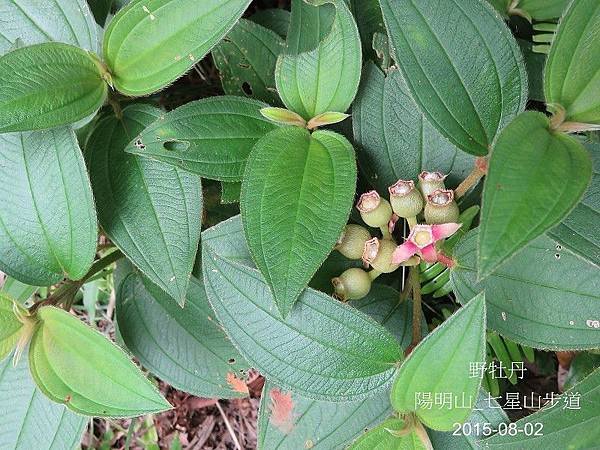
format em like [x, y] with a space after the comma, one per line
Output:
[412, 221]
[385, 233]
[473, 178]
[417, 311]
[67, 290]
[373, 274]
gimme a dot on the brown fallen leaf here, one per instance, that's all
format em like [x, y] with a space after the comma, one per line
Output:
[282, 410]
[237, 384]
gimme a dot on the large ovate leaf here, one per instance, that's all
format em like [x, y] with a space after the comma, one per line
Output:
[296, 196]
[541, 278]
[331, 425]
[369, 20]
[17, 290]
[185, 347]
[151, 43]
[29, 419]
[390, 435]
[395, 140]
[572, 75]
[559, 425]
[76, 365]
[64, 85]
[275, 19]
[151, 211]
[541, 10]
[246, 60]
[317, 77]
[48, 224]
[325, 425]
[211, 137]
[10, 326]
[323, 349]
[486, 417]
[31, 22]
[535, 63]
[535, 178]
[578, 232]
[469, 85]
[440, 366]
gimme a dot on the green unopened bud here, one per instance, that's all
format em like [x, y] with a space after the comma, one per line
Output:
[352, 241]
[374, 210]
[405, 199]
[429, 182]
[378, 254]
[353, 284]
[441, 207]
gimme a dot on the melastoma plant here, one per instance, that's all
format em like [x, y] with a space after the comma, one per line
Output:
[473, 247]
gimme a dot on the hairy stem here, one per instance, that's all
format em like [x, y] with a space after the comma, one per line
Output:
[478, 172]
[417, 312]
[67, 290]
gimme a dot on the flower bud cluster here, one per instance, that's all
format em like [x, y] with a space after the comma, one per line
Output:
[429, 201]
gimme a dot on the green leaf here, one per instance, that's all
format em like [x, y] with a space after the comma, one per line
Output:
[29, 419]
[486, 416]
[578, 231]
[64, 85]
[151, 43]
[184, 347]
[468, 87]
[315, 424]
[369, 20]
[151, 211]
[540, 278]
[395, 140]
[210, 137]
[275, 19]
[572, 76]
[246, 60]
[100, 9]
[557, 426]
[541, 10]
[389, 436]
[300, 353]
[324, 76]
[535, 63]
[230, 192]
[440, 365]
[47, 217]
[293, 181]
[535, 178]
[32, 22]
[329, 425]
[10, 326]
[74, 364]
[283, 116]
[13, 288]
[581, 366]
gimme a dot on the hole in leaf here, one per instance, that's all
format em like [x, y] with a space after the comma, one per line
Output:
[176, 146]
[247, 88]
[244, 66]
[231, 361]
[557, 255]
